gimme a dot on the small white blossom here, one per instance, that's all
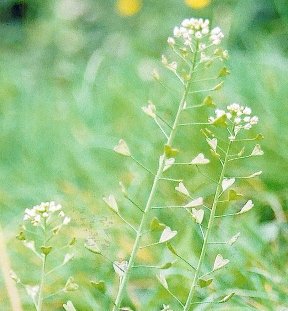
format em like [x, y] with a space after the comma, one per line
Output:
[239, 115]
[194, 29]
[42, 211]
[171, 41]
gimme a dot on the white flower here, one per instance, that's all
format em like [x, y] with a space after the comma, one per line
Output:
[40, 212]
[171, 41]
[247, 111]
[254, 120]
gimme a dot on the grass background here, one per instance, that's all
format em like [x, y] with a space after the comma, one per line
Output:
[73, 77]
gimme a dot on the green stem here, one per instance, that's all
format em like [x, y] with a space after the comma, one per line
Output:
[157, 178]
[43, 275]
[207, 234]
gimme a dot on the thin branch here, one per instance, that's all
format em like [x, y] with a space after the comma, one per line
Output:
[126, 222]
[161, 128]
[140, 164]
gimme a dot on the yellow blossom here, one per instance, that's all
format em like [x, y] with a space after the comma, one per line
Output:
[128, 7]
[197, 4]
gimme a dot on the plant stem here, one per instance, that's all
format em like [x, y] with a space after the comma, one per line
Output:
[43, 275]
[157, 178]
[207, 234]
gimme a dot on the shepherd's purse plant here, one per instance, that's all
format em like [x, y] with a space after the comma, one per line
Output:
[198, 60]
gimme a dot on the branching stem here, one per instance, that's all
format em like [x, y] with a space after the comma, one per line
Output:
[207, 234]
[157, 178]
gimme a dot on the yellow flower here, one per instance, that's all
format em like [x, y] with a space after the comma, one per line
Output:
[128, 7]
[197, 4]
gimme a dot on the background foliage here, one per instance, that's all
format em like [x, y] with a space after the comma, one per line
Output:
[73, 77]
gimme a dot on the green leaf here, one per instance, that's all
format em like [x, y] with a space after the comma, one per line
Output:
[233, 195]
[21, 236]
[46, 250]
[259, 137]
[204, 282]
[71, 285]
[99, 286]
[226, 298]
[170, 152]
[171, 249]
[92, 246]
[72, 242]
[223, 72]
[221, 121]
[156, 225]
[208, 101]
[167, 265]
[218, 86]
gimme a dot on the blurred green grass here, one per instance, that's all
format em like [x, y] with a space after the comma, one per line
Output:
[72, 85]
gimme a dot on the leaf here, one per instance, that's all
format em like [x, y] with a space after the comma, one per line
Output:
[249, 205]
[156, 225]
[46, 250]
[204, 282]
[171, 249]
[161, 278]
[123, 189]
[69, 306]
[71, 285]
[223, 72]
[226, 298]
[67, 258]
[233, 239]
[259, 137]
[198, 215]
[32, 291]
[182, 189]
[111, 202]
[21, 236]
[30, 245]
[166, 266]
[208, 101]
[233, 195]
[227, 183]
[241, 152]
[99, 286]
[170, 152]
[72, 242]
[220, 121]
[150, 110]
[14, 276]
[255, 174]
[218, 86]
[200, 160]
[120, 267]
[212, 143]
[257, 151]
[219, 262]
[167, 235]
[195, 202]
[92, 246]
[168, 164]
[122, 148]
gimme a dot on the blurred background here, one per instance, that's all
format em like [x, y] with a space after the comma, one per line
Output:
[74, 75]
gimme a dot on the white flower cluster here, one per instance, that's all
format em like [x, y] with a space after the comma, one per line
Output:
[194, 28]
[44, 211]
[239, 115]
